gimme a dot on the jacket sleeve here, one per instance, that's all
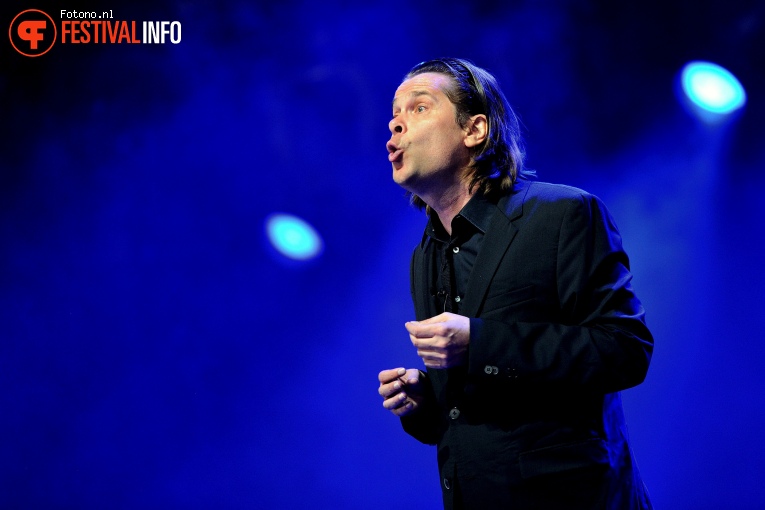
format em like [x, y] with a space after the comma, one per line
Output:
[597, 339]
[423, 424]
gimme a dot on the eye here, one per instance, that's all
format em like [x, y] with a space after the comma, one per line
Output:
[420, 108]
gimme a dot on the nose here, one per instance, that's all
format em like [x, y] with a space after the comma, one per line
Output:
[396, 125]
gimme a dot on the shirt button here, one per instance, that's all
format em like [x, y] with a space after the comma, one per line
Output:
[447, 484]
[511, 373]
[487, 369]
[457, 299]
[454, 413]
[456, 249]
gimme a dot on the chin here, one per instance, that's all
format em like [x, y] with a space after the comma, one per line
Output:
[399, 176]
[407, 179]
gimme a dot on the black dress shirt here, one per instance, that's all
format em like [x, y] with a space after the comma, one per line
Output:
[453, 260]
[455, 255]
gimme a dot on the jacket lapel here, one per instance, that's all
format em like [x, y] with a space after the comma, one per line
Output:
[493, 248]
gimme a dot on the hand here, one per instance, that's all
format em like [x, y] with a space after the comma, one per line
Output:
[441, 341]
[401, 390]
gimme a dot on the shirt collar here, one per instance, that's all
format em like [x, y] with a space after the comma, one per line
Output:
[477, 212]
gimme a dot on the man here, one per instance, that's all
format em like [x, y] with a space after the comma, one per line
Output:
[526, 318]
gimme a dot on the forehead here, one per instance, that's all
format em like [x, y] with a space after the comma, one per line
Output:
[430, 83]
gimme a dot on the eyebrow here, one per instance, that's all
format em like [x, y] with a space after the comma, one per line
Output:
[415, 93]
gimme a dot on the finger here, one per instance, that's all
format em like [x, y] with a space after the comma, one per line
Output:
[431, 358]
[434, 361]
[412, 327]
[425, 341]
[395, 401]
[435, 343]
[430, 354]
[387, 376]
[405, 409]
[419, 329]
[401, 407]
[387, 390]
[417, 341]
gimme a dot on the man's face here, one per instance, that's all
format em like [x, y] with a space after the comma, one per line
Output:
[427, 147]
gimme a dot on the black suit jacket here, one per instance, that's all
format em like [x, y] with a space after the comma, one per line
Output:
[535, 419]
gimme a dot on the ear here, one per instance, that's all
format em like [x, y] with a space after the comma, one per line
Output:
[476, 131]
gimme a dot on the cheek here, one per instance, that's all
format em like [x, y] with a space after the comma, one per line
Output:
[450, 145]
[437, 134]
[439, 141]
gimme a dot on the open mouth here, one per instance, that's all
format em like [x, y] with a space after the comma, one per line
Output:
[395, 155]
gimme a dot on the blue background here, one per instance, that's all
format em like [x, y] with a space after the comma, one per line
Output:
[156, 352]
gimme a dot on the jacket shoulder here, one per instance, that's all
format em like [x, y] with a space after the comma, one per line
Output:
[550, 192]
[533, 196]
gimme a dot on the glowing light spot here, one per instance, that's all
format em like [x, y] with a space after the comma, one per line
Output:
[292, 237]
[712, 87]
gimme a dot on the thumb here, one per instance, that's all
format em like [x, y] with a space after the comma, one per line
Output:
[412, 377]
[442, 317]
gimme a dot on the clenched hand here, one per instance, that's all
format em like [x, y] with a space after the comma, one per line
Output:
[441, 341]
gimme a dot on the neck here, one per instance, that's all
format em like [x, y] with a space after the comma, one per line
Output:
[448, 203]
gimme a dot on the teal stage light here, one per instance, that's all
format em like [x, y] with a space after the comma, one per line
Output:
[293, 237]
[712, 88]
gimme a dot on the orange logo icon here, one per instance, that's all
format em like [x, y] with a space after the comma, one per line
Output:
[32, 33]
